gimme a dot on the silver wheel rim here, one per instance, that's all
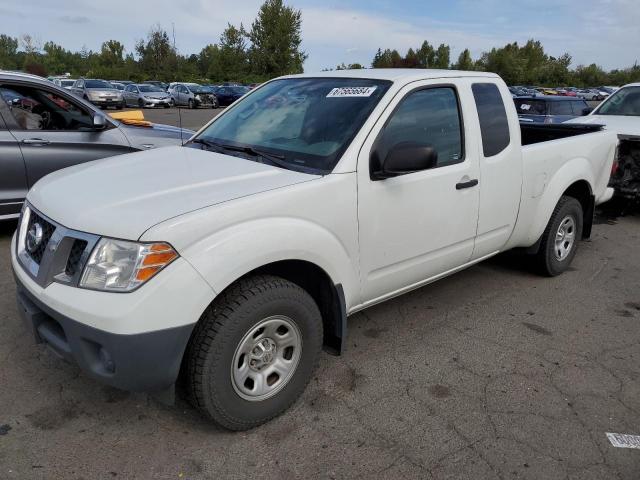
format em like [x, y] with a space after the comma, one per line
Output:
[266, 358]
[565, 237]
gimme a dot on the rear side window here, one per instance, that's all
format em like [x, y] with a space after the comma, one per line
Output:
[578, 107]
[494, 124]
[526, 106]
[561, 108]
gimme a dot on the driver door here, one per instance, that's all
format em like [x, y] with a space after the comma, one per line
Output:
[54, 131]
[416, 226]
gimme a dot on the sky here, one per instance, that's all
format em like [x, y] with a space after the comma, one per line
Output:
[606, 32]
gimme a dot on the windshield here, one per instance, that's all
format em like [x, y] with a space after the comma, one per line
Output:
[309, 122]
[67, 83]
[625, 101]
[97, 84]
[530, 107]
[149, 88]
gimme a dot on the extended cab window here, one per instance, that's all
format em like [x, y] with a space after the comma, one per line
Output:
[35, 109]
[430, 116]
[494, 124]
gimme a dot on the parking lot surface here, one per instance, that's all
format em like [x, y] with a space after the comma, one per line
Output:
[492, 373]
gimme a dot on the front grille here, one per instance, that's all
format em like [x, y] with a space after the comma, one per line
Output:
[75, 255]
[60, 254]
[47, 231]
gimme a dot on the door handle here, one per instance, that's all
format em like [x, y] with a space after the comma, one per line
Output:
[35, 141]
[468, 184]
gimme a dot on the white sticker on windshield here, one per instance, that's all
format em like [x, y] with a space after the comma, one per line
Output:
[351, 92]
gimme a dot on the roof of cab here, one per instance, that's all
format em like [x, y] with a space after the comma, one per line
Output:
[394, 74]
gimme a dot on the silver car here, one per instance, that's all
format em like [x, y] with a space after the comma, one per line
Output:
[64, 82]
[192, 95]
[143, 95]
[44, 128]
[98, 92]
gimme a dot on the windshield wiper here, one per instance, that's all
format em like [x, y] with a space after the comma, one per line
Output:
[276, 159]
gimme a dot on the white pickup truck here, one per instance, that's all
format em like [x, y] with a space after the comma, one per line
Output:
[232, 261]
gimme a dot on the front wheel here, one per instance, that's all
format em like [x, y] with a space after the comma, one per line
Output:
[191, 103]
[253, 352]
[560, 239]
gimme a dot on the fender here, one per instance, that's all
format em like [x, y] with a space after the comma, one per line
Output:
[270, 240]
[539, 209]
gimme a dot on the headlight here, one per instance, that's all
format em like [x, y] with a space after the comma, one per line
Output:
[93, 96]
[122, 266]
[197, 97]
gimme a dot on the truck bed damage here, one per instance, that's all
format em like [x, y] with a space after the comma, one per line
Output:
[626, 178]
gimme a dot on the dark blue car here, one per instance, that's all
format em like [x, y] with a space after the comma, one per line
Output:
[549, 109]
[228, 94]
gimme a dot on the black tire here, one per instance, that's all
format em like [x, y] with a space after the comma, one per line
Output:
[548, 260]
[140, 103]
[191, 104]
[209, 356]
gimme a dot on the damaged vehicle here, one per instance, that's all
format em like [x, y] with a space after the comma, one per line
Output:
[192, 95]
[621, 113]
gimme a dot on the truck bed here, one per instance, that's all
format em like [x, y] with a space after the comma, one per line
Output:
[538, 132]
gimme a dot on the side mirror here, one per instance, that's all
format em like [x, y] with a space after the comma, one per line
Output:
[99, 122]
[587, 111]
[403, 158]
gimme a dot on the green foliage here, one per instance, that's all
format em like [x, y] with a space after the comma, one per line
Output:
[517, 65]
[275, 41]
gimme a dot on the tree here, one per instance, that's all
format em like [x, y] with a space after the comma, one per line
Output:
[465, 62]
[157, 56]
[275, 40]
[8, 52]
[441, 57]
[426, 55]
[231, 61]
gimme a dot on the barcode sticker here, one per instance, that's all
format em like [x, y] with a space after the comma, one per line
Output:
[351, 92]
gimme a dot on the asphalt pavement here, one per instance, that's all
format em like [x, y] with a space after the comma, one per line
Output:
[492, 373]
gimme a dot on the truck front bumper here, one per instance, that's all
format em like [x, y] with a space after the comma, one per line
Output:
[139, 362]
[133, 341]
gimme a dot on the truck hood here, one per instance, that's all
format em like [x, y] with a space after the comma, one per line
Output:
[123, 196]
[621, 124]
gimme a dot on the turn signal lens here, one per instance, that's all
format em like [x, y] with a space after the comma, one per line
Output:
[122, 266]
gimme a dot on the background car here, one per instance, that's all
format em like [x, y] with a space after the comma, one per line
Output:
[227, 95]
[550, 109]
[589, 94]
[546, 91]
[64, 82]
[118, 85]
[98, 92]
[145, 95]
[44, 128]
[192, 95]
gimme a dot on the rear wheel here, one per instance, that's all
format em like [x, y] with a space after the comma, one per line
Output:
[560, 239]
[253, 352]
